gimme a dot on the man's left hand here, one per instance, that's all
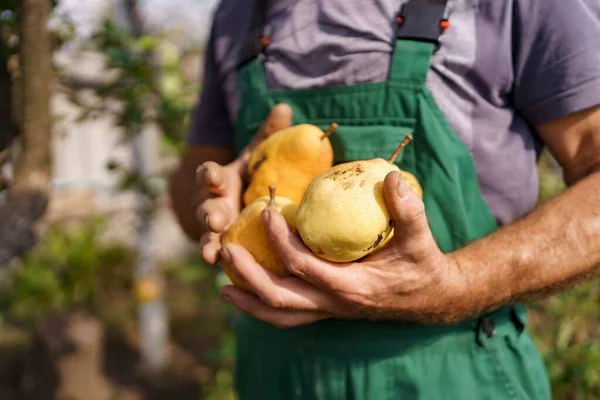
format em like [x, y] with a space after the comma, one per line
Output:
[410, 279]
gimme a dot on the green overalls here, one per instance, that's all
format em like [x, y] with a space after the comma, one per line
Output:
[491, 357]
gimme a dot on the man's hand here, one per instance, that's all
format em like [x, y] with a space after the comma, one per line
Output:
[223, 186]
[410, 279]
[552, 248]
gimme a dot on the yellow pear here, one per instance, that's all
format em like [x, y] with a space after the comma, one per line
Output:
[249, 231]
[343, 215]
[290, 159]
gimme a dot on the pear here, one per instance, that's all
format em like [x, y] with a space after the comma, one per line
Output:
[249, 231]
[290, 158]
[343, 215]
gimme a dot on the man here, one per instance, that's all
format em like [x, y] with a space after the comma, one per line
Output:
[483, 86]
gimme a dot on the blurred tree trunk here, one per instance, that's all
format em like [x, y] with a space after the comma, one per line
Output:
[152, 313]
[32, 173]
[7, 129]
[28, 191]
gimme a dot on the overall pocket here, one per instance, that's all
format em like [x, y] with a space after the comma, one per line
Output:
[517, 361]
[366, 139]
[354, 139]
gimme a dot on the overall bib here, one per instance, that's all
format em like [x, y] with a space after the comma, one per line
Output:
[491, 357]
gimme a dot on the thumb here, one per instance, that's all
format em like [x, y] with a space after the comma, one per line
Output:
[212, 177]
[280, 117]
[407, 210]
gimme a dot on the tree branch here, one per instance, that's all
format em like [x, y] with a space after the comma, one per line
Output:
[133, 16]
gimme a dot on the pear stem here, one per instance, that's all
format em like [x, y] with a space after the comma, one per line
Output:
[332, 128]
[404, 143]
[272, 195]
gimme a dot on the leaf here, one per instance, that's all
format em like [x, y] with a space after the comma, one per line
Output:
[192, 274]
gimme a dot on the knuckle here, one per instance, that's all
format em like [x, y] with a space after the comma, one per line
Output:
[203, 209]
[274, 300]
[415, 211]
[354, 299]
[212, 174]
[203, 173]
[361, 297]
[298, 266]
[284, 323]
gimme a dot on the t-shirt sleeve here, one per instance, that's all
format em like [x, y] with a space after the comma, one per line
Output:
[556, 57]
[210, 124]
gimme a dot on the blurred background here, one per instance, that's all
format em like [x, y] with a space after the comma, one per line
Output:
[101, 295]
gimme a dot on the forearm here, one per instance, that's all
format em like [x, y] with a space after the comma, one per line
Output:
[555, 246]
[183, 189]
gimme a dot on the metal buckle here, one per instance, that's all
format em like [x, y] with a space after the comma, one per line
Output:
[422, 21]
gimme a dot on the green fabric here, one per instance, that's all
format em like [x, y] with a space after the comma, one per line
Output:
[452, 363]
[336, 359]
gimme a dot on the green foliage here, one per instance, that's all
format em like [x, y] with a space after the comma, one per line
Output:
[9, 28]
[150, 88]
[566, 327]
[151, 83]
[222, 387]
[70, 269]
[551, 181]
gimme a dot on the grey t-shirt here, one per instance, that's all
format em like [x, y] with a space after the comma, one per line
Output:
[504, 66]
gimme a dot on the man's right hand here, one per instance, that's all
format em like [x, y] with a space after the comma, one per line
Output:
[223, 185]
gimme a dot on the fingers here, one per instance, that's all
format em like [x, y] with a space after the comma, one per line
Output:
[406, 209]
[210, 246]
[279, 118]
[276, 292]
[212, 177]
[254, 306]
[215, 215]
[302, 262]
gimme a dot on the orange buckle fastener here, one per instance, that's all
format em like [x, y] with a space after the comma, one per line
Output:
[265, 41]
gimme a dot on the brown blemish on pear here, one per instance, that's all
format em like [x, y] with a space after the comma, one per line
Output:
[377, 241]
[338, 174]
[346, 176]
[258, 163]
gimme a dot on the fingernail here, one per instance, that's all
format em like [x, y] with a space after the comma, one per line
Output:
[226, 297]
[402, 187]
[266, 215]
[226, 255]
[199, 171]
[207, 179]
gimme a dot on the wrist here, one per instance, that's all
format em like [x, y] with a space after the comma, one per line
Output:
[461, 299]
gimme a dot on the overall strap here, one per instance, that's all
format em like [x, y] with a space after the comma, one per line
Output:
[255, 40]
[420, 25]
